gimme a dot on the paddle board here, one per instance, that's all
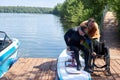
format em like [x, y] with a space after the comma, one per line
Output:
[66, 72]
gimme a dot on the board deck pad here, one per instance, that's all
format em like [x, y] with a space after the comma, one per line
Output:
[69, 63]
[70, 68]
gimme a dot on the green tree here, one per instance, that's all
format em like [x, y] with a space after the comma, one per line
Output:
[115, 6]
[73, 11]
[95, 8]
[79, 10]
[57, 9]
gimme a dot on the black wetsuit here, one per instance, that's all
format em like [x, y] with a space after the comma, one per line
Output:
[73, 39]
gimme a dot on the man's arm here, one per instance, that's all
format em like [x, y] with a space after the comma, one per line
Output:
[84, 23]
[67, 36]
[89, 42]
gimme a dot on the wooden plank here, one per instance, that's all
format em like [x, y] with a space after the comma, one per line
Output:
[42, 70]
[52, 70]
[21, 72]
[116, 68]
[27, 70]
[35, 69]
[101, 75]
[47, 73]
[107, 77]
[101, 62]
[39, 71]
[13, 72]
[45, 69]
[31, 69]
[99, 71]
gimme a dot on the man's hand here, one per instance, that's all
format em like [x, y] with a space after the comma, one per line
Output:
[68, 48]
[68, 39]
[93, 54]
[81, 42]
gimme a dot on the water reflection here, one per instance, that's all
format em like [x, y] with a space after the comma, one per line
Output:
[41, 35]
[67, 25]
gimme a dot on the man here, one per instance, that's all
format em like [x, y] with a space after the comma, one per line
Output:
[74, 38]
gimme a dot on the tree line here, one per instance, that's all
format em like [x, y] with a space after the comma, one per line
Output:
[77, 11]
[115, 7]
[22, 9]
[73, 11]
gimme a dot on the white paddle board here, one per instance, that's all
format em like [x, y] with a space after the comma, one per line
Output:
[66, 72]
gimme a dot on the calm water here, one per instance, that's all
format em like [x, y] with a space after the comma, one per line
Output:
[41, 35]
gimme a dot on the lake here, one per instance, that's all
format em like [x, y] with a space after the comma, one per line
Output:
[40, 35]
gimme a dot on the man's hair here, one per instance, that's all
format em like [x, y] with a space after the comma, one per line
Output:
[82, 28]
[91, 20]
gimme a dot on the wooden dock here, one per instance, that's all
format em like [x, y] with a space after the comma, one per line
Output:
[32, 69]
[45, 69]
[114, 68]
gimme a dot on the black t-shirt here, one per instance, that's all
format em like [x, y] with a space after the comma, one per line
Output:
[73, 38]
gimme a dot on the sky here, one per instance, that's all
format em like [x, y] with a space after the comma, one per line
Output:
[33, 3]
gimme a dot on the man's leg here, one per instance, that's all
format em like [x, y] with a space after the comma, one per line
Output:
[95, 45]
[76, 53]
[87, 58]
